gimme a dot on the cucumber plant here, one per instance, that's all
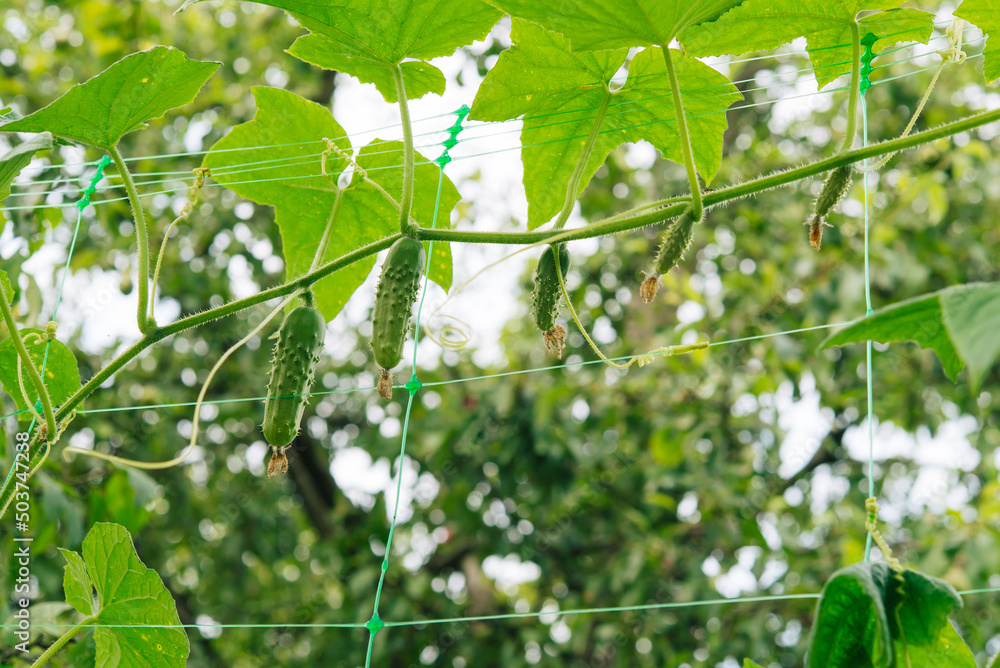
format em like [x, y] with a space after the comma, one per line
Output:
[337, 209]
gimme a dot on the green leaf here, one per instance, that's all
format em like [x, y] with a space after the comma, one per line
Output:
[128, 594]
[986, 15]
[972, 315]
[304, 199]
[18, 158]
[61, 377]
[613, 24]
[368, 39]
[918, 319]
[947, 651]
[919, 607]
[762, 25]
[750, 663]
[122, 98]
[419, 78]
[77, 584]
[851, 628]
[561, 94]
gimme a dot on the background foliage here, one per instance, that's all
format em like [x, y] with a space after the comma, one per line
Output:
[658, 485]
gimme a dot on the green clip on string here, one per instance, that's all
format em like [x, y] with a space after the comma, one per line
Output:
[375, 624]
[81, 204]
[866, 70]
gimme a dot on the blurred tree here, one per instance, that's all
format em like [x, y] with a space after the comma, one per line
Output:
[725, 472]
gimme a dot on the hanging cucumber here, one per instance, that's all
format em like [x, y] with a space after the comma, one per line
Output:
[674, 243]
[293, 369]
[547, 294]
[394, 298]
[837, 183]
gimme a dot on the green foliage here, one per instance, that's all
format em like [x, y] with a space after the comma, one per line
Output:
[762, 25]
[127, 593]
[986, 15]
[959, 323]
[307, 202]
[18, 158]
[870, 616]
[613, 24]
[61, 377]
[121, 99]
[571, 113]
[371, 40]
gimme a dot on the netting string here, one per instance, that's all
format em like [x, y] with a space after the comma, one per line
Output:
[481, 618]
[283, 162]
[866, 69]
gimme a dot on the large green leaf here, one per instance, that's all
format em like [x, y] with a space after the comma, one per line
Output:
[972, 315]
[61, 377]
[128, 595]
[986, 15]
[369, 39]
[290, 180]
[762, 25]
[948, 650]
[959, 323]
[561, 94]
[917, 319]
[613, 24]
[919, 607]
[18, 158]
[119, 100]
[851, 629]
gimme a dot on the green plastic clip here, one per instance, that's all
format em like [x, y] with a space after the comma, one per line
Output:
[866, 61]
[452, 139]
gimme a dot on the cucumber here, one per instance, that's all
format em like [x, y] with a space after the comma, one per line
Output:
[674, 243]
[837, 184]
[293, 369]
[394, 298]
[547, 294]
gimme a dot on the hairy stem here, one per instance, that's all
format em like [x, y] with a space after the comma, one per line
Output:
[160, 333]
[405, 227]
[58, 644]
[29, 365]
[682, 132]
[852, 105]
[672, 209]
[324, 241]
[581, 164]
[142, 239]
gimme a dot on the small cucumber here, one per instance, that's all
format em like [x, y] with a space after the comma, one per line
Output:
[293, 369]
[394, 298]
[837, 184]
[674, 243]
[547, 294]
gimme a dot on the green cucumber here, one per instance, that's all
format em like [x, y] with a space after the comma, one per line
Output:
[674, 243]
[837, 184]
[394, 298]
[547, 294]
[293, 369]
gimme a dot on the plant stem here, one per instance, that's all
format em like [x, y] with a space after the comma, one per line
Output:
[324, 241]
[58, 644]
[581, 164]
[600, 228]
[141, 236]
[404, 117]
[29, 365]
[682, 131]
[160, 333]
[852, 105]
